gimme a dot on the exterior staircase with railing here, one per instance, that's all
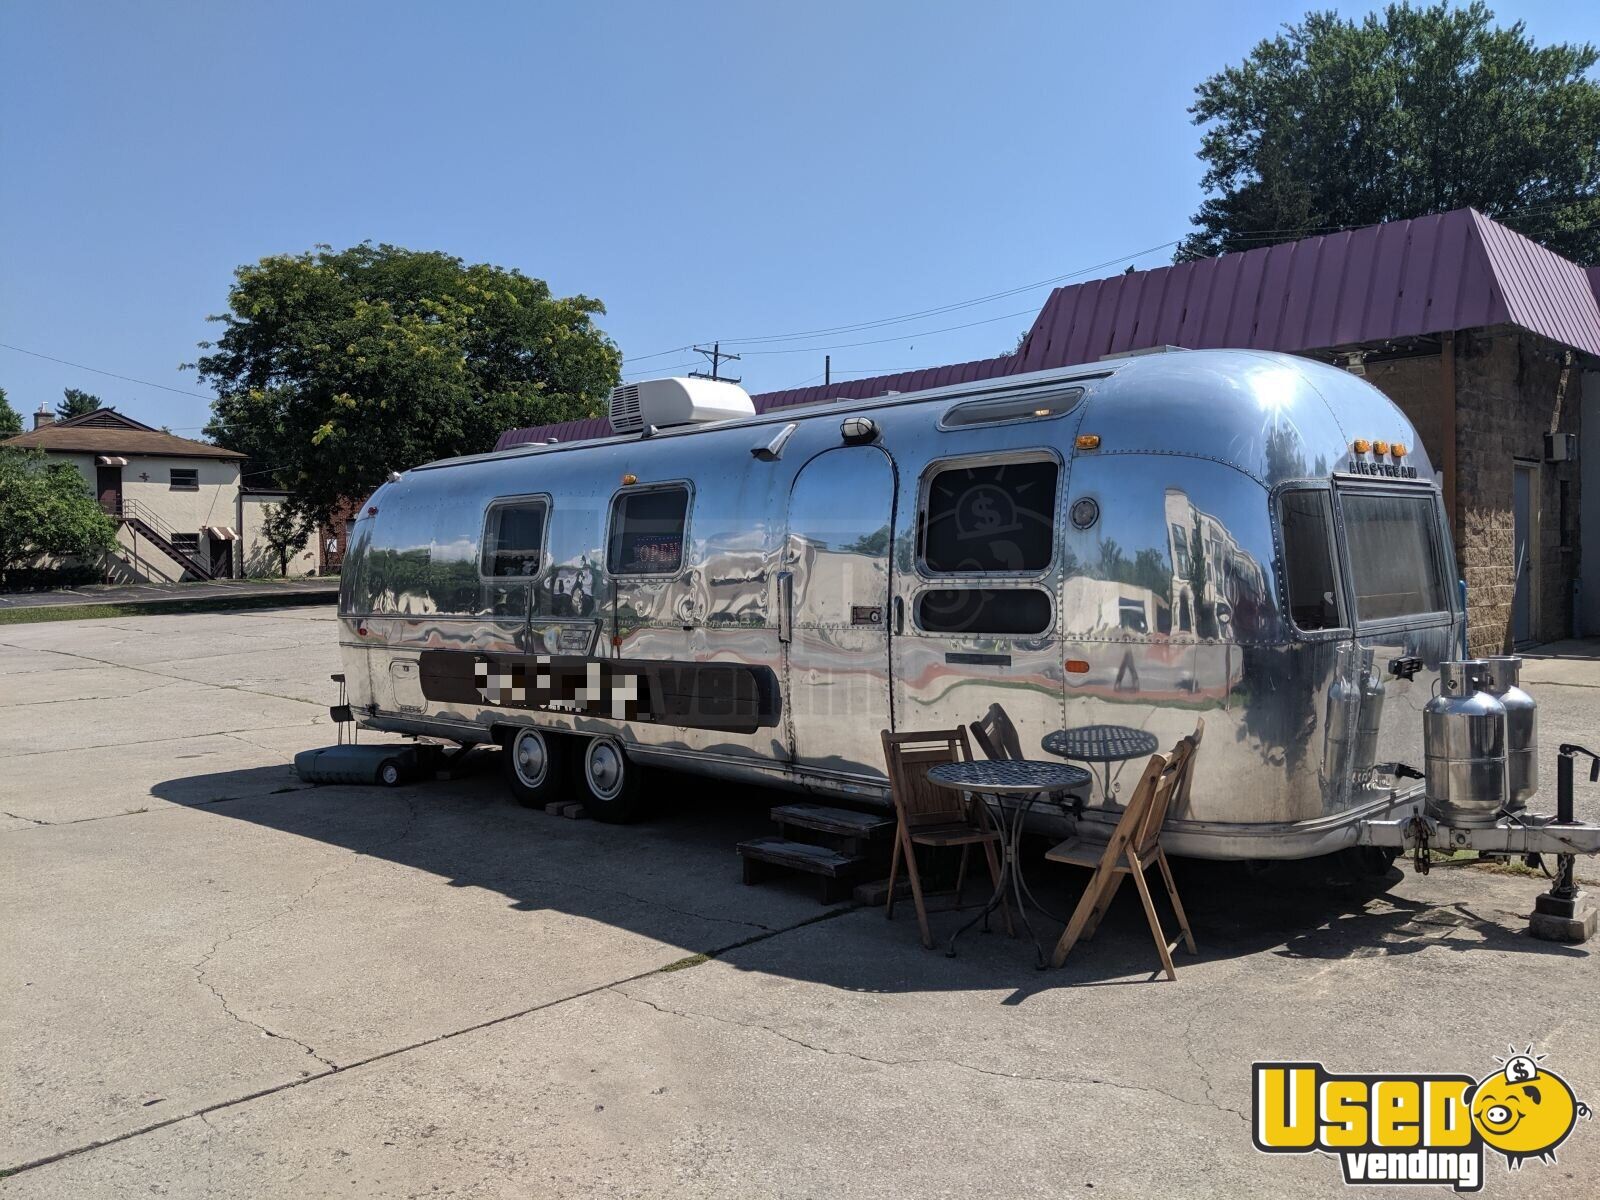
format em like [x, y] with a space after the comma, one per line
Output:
[148, 525]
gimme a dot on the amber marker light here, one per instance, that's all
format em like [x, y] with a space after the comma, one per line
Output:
[1077, 666]
[1361, 445]
[1380, 448]
[1398, 449]
[629, 480]
[1088, 441]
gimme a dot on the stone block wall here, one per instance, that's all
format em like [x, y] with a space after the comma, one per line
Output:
[1508, 395]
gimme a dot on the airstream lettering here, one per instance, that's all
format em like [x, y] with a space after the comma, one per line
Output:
[1254, 538]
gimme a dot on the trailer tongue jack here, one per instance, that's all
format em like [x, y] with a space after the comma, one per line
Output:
[1561, 915]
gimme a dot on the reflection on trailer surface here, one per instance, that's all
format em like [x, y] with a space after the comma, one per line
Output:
[1249, 537]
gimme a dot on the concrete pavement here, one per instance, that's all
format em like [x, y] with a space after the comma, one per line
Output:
[223, 983]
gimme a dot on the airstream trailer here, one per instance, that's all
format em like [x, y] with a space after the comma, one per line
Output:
[1252, 538]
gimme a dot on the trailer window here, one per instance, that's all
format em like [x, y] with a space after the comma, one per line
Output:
[647, 531]
[513, 539]
[996, 518]
[1396, 561]
[1016, 612]
[1306, 518]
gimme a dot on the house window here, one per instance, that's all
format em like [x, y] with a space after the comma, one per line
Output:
[513, 539]
[186, 543]
[185, 479]
[647, 531]
[992, 518]
[1180, 549]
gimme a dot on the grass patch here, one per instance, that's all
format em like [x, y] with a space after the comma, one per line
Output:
[91, 612]
[683, 964]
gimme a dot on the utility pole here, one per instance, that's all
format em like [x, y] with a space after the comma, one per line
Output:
[827, 369]
[717, 357]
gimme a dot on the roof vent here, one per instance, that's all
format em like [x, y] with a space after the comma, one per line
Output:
[663, 403]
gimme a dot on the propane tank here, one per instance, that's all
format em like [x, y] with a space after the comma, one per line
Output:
[1340, 727]
[1464, 744]
[1522, 729]
[1371, 718]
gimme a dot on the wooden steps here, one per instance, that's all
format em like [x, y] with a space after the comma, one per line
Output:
[838, 845]
[835, 871]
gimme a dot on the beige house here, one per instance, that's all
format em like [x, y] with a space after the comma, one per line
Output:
[180, 507]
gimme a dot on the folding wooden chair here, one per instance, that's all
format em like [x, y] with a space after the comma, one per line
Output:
[996, 735]
[929, 815]
[1135, 846]
[1180, 798]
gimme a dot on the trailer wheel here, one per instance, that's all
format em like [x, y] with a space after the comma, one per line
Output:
[532, 760]
[389, 772]
[610, 781]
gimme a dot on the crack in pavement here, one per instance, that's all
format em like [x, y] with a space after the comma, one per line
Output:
[182, 737]
[1070, 1080]
[659, 905]
[449, 1035]
[146, 670]
[32, 820]
[202, 965]
[154, 687]
[1200, 1070]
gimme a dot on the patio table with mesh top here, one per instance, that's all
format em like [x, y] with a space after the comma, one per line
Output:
[1101, 745]
[1025, 781]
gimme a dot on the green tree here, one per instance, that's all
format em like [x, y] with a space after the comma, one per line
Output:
[335, 368]
[75, 403]
[284, 531]
[46, 511]
[10, 419]
[1415, 110]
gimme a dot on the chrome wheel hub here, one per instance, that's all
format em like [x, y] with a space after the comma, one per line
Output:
[605, 769]
[530, 758]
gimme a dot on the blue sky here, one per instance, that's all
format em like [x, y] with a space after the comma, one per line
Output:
[707, 170]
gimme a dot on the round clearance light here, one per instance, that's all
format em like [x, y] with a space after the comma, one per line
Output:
[858, 429]
[1085, 513]
[1380, 448]
[1361, 445]
[629, 480]
[1398, 449]
[1088, 441]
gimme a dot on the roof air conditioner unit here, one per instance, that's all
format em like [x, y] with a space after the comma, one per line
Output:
[663, 403]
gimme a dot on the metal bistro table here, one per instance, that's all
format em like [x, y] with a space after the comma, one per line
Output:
[1026, 781]
[1101, 744]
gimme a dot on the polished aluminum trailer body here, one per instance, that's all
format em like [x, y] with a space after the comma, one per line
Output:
[1163, 594]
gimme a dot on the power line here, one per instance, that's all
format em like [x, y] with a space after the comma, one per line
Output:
[109, 374]
[915, 333]
[953, 306]
[928, 312]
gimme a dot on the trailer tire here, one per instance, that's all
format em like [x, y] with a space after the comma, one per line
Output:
[532, 760]
[389, 773]
[610, 783]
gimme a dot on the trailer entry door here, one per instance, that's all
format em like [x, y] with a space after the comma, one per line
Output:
[835, 583]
